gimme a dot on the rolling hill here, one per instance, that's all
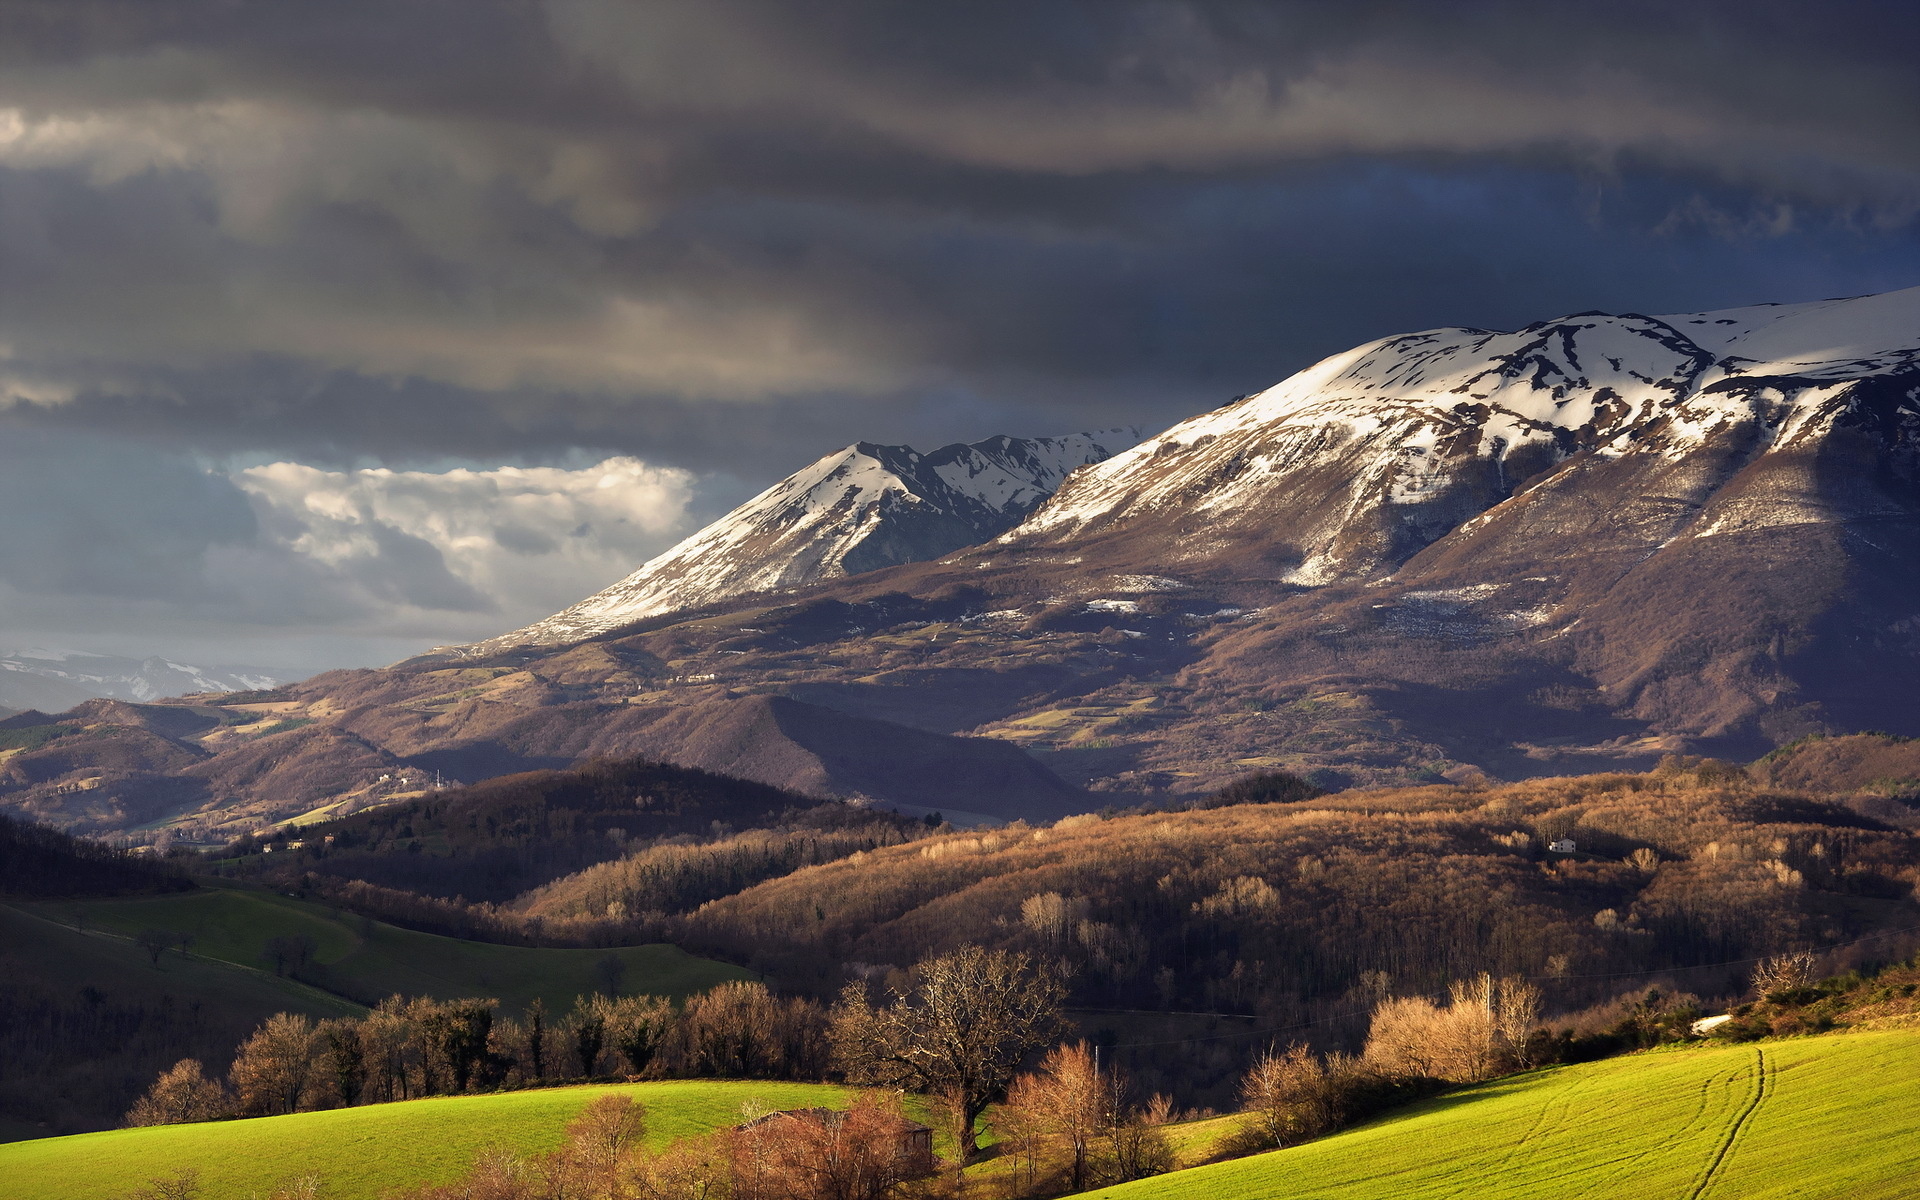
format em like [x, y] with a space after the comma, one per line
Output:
[1814, 1117]
[362, 1152]
[365, 961]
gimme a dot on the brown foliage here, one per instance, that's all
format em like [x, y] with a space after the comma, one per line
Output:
[181, 1094]
[1282, 910]
[818, 1154]
[1482, 1032]
[743, 1031]
[274, 1068]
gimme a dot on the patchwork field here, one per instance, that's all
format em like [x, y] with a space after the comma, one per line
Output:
[368, 960]
[1834, 1116]
[360, 1152]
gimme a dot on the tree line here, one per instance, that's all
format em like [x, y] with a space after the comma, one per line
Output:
[964, 1029]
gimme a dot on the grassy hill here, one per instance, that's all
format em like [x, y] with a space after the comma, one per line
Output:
[1833, 1116]
[90, 1021]
[360, 1152]
[368, 960]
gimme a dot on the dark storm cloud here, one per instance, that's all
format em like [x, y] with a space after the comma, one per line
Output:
[727, 237]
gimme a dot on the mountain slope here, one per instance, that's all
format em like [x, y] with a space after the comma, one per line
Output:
[855, 510]
[1346, 469]
[1458, 553]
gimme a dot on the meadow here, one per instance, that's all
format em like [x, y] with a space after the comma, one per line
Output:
[361, 1152]
[366, 960]
[1831, 1116]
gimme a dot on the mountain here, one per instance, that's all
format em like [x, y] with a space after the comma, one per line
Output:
[855, 510]
[1715, 513]
[1347, 469]
[1445, 556]
[54, 679]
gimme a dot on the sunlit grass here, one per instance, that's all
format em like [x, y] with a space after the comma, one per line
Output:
[1831, 1116]
[361, 1152]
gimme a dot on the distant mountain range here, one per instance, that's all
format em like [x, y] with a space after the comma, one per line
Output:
[1447, 555]
[56, 679]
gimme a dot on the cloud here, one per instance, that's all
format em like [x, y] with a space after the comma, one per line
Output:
[109, 534]
[714, 239]
[257, 189]
[494, 544]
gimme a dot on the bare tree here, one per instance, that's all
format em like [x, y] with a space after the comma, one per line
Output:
[271, 1071]
[182, 1093]
[960, 1030]
[638, 1026]
[688, 1169]
[1286, 1091]
[601, 1140]
[1065, 1103]
[182, 1185]
[821, 1155]
[1482, 1031]
[1783, 973]
[155, 942]
[733, 1030]
[1516, 1011]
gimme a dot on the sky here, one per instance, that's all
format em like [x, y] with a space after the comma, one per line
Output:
[332, 332]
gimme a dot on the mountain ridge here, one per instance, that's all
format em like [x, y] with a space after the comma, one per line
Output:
[1452, 555]
[861, 508]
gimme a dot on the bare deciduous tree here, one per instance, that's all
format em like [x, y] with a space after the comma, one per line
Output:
[599, 1143]
[182, 1185]
[960, 1030]
[851, 1155]
[1483, 1031]
[182, 1093]
[271, 1071]
[1064, 1103]
[1783, 973]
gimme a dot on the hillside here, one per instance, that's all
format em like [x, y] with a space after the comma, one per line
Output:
[365, 961]
[87, 1020]
[1816, 1117]
[492, 841]
[1873, 765]
[362, 1152]
[37, 862]
[1302, 914]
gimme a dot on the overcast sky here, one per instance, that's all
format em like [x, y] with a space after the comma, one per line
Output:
[332, 331]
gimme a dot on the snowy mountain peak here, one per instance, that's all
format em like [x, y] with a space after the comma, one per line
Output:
[858, 509]
[1355, 463]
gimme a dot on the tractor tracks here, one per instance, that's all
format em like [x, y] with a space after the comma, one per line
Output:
[1762, 1086]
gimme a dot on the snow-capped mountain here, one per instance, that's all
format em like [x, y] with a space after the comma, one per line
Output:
[1708, 521]
[1349, 468]
[53, 680]
[857, 509]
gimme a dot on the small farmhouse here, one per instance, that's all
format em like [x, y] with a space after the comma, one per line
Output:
[1561, 846]
[912, 1142]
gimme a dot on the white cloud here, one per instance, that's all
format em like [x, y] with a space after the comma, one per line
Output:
[469, 549]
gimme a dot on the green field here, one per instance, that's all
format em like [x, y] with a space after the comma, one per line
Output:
[1835, 1116]
[360, 1152]
[368, 960]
